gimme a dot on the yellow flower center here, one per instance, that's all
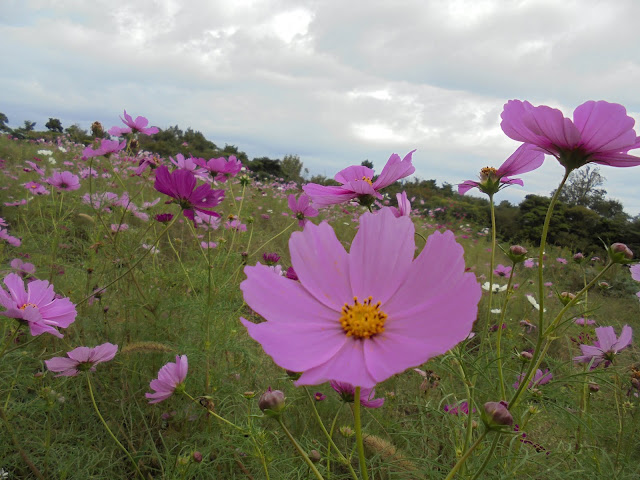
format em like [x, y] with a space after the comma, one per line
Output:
[362, 320]
[28, 305]
[487, 172]
[368, 180]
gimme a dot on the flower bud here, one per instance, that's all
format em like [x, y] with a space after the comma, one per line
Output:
[620, 253]
[197, 457]
[272, 402]
[517, 253]
[594, 387]
[496, 415]
[314, 456]
[578, 258]
[566, 297]
[346, 431]
[525, 356]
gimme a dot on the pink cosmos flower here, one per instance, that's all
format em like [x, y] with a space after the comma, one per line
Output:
[301, 208]
[540, 378]
[236, 225]
[458, 409]
[181, 185]
[600, 132]
[348, 392]
[66, 181]
[561, 260]
[635, 272]
[584, 321]
[23, 269]
[107, 147]
[190, 164]
[525, 159]
[369, 313]
[357, 182]
[36, 305]
[404, 206]
[137, 125]
[502, 270]
[81, 359]
[35, 188]
[606, 347]
[170, 378]
[10, 239]
[220, 168]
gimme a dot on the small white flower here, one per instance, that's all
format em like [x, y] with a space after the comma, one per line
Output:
[496, 310]
[153, 249]
[52, 161]
[533, 302]
[496, 288]
[4, 475]
[45, 152]
[62, 149]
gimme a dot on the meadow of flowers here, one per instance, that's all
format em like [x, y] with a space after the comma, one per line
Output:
[181, 318]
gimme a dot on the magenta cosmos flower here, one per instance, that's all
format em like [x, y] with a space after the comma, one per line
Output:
[137, 125]
[600, 132]
[348, 392]
[404, 205]
[170, 378]
[606, 347]
[525, 159]
[357, 182]
[181, 186]
[540, 378]
[81, 359]
[362, 316]
[36, 305]
[221, 169]
[66, 181]
[301, 208]
[106, 148]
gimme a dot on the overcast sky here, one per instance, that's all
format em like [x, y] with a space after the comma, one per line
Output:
[335, 82]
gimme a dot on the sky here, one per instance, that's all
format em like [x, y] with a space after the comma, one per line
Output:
[335, 82]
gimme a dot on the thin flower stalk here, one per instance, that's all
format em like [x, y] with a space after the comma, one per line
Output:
[466, 455]
[302, 453]
[358, 424]
[488, 457]
[214, 414]
[492, 262]
[499, 335]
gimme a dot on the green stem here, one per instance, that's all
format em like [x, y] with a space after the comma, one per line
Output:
[302, 453]
[499, 336]
[17, 446]
[358, 424]
[333, 427]
[95, 406]
[343, 459]
[466, 455]
[214, 414]
[494, 444]
[491, 265]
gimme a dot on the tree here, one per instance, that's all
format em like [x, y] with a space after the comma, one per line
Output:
[54, 125]
[291, 167]
[3, 123]
[582, 187]
[28, 126]
[367, 163]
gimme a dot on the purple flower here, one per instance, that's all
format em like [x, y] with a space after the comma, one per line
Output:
[164, 217]
[11, 240]
[137, 125]
[301, 208]
[525, 159]
[369, 313]
[36, 188]
[540, 378]
[319, 396]
[404, 205]
[561, 260]
[600, 132]
[584, 321]
[81, 359]
[221, 169]
[458, 409]
[348, 392]
[107, 147]
[606, 347]
[502, 271]
[235, 225]
[36, 305]
[22, 268]
[64, 181]
[271, 258]
[170, 378]
[357, 182]
[181, 185]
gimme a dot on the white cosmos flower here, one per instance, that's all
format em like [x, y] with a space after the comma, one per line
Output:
[533, 302]
[496, 288]
[45, 152]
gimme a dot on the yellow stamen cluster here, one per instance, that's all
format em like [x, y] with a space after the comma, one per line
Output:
[368, 180]
[28, 305]
[362, 320]
[487, 172]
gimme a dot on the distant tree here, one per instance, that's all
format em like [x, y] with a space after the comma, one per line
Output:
[77, 134]
[291, 167]
[3, 123]
[582, 187]
[28, 126]
[54, 125]
[609, 208]
[367, 163]
[266, 166]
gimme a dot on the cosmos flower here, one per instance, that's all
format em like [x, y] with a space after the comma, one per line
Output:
[540, 378]
[348, 392]
[170, 378]
[600, 132]
[220, 168]
[36, 305]
[458, 409]
[23, 269]
[181, 186]
[502, 271]
[301, 208]
[10, 239]
[525, 159]
[606, 347]
[357, 182]
[369, 313]
[66, 181]
[404, 205]
[81, 359]
[35, 188]
[107, 147]
[137, 125]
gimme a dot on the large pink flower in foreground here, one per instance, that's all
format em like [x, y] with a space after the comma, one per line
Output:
[170, 377]
[362, 316]
[81, 359]
[525, 159]
[357, 182]
[36, 305]
[601, 132]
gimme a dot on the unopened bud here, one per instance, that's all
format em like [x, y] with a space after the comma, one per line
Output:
[620, 253]
[566, 297]
[497, 415]
[594, 387]
[197, 457]
[578, 258]
[314, 456]
[346, 431]
[517, 253]
[272, 402]
[525, 356]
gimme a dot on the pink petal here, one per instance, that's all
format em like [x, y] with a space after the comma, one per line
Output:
[606, 338]
[525, 159]
[395, 169]
[604, 126]
[354, 173]
[80, 354]
[625, 338]
[467, 185]
[323, 196]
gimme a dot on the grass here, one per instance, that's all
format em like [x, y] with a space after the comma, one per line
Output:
[174, 303]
